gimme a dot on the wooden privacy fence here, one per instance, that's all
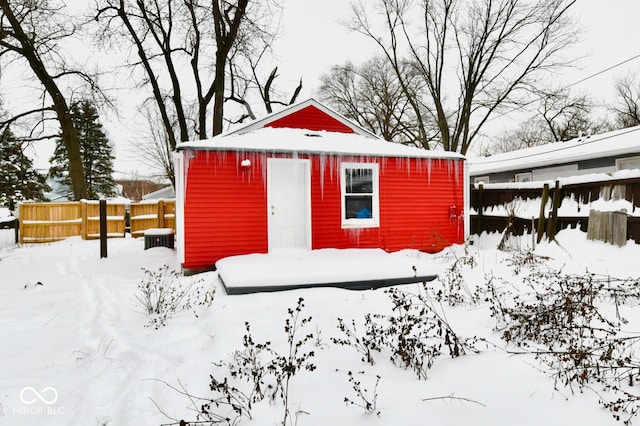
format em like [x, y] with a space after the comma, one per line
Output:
[156, 214]
[116, 219]
[548, 219]
[47, 222]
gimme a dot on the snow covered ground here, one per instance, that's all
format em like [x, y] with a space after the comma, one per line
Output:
[75, 350]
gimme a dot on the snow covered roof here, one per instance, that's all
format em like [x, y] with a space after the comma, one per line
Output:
[291, 109]
[611, 144]
[306, 141]
[166, 192]
[5, 215]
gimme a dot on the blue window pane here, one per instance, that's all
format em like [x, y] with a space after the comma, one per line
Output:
[358, 207]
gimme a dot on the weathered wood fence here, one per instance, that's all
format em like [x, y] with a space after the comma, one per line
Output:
[47, 222]
[548, 221]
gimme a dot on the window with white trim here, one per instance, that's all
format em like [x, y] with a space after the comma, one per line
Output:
[628, 163]
[360, 195]
[524, 177]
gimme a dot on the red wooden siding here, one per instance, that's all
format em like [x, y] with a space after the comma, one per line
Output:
[226, 211]
[311, 118]
[415, 202]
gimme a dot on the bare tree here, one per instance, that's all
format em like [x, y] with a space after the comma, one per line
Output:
[31, 33]
[566, 116]
[156, 153]
[372, 95]
[242, 84]
[474, 57]
[560, 116]
[626, 107]
[247, 80]
[189, 45]
[528, 133]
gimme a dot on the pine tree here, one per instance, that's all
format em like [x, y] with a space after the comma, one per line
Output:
[19, 181]
[95, 150]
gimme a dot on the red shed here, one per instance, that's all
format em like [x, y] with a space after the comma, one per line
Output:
[307, 178]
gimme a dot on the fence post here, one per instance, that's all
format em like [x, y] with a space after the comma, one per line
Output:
[553, 217]
[103, 228]
[20, 221]
[541, 217]
[533, 233]
[83, 214]
[161, 214]
[480, 224]
[16, 229]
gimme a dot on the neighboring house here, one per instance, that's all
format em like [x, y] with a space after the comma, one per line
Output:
[602, 153]
[137, 189]
[60, 191]
[7, 219]
[160, 194]
[307, 178]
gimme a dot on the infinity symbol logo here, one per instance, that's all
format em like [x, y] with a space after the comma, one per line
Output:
[38, 395]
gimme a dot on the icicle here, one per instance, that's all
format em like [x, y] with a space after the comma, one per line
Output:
[456, 171]
[322, 163]
[187, 157]
[263, 170]
[383, 164]
[334, 168]
[354, 235]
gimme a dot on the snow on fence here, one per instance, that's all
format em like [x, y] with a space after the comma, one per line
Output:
[152, 214]
[48, 222]
[547, 207]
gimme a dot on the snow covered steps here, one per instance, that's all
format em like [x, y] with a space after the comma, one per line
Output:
[356, 269]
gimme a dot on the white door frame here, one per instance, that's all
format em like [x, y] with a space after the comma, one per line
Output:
[305, 209]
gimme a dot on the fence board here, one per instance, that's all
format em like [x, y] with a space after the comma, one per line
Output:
[47, 222]
[156, 214]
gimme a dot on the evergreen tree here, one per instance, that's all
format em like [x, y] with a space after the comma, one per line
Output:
[19, 181]
[95, 151]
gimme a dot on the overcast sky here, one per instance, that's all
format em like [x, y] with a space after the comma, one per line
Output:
[313, 39]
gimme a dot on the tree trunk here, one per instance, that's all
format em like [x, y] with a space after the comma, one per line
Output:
[70, 140]
[69, 135]
[218, 93]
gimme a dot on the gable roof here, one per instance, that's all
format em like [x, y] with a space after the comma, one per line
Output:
[313, 114]
[610, 144]
[312, 128]
[305, 141]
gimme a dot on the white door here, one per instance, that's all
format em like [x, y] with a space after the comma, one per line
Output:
[289, 203]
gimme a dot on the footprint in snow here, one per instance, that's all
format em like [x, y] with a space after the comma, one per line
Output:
[31, 284]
